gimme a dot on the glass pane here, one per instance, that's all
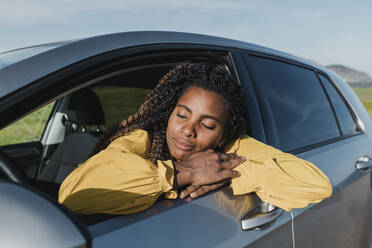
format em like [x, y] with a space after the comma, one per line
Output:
[347, 123]
[297, 104]
[27, 129]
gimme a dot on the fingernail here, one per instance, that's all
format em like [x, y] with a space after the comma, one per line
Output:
[182, 195]
[193, 195]
[236, 173]
[242, 157]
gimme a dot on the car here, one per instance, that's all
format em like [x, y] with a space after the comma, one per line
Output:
[57, 99]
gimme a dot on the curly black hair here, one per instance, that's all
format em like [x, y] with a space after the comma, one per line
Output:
[154, 113]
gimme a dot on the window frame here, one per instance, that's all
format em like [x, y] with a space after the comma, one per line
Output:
[58, 85]
[208, 53]
[100, 68]
[250, 92]
[271, 131]
[68, 79]
[347, 104]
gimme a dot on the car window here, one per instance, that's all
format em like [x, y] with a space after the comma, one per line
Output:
[296, 104]
[347, 123]
[119, 102]
[27, 129]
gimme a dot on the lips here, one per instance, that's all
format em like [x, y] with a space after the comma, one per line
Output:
[182, 145]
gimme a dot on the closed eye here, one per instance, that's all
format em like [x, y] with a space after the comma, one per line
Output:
[208, 127]
[181, 116]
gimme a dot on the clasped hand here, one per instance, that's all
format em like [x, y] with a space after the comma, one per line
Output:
[205, 171]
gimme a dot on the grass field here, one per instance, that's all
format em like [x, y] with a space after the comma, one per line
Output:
[365, 95]
[28, 129]
[116, 103]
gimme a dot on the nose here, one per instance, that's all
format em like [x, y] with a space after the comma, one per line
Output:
[188, 130]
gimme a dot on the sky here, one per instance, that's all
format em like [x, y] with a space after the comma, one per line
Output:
[328, 32]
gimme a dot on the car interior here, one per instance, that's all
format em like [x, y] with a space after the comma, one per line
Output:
[81, 115]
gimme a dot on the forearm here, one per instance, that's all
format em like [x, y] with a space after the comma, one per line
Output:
[279, 178]
[114, 182]
[284, 176]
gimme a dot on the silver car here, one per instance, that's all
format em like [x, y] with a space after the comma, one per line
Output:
[57, 99]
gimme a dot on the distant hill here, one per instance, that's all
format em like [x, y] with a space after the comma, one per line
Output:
[356, 79]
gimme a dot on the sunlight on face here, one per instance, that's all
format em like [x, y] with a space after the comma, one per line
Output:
[196, 123]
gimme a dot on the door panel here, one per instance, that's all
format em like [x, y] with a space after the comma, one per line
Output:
[344, 219]
[279, 237]
[26, 156]
[178, 223]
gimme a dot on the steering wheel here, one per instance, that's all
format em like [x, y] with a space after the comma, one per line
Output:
[9, 169]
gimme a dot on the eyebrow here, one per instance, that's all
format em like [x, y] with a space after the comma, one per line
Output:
[203, 116]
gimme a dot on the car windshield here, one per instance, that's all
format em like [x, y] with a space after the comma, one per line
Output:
[13, 56]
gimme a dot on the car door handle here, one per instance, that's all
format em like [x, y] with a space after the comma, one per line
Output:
[363, 163]
[261, 217]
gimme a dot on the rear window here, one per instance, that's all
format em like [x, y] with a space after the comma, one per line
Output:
[347, 123]
[294, 104]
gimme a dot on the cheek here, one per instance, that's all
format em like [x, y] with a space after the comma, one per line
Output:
[209, 140]
[172, 124]
[171, 128]
[168, 131]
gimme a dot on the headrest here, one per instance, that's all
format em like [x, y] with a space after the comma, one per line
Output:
[84, 108]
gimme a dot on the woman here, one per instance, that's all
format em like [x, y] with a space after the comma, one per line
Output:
[188, 133]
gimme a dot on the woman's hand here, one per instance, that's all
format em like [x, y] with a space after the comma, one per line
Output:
[194, 191]
[207, 167]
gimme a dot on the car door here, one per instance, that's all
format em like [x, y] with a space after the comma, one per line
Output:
[306, 115]
[343, 220]
[205, 222]
[210, 221]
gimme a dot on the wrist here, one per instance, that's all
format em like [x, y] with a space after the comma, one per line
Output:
[183, 174]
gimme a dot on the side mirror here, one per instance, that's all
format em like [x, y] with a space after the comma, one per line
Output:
[30, 220]
[260, 217]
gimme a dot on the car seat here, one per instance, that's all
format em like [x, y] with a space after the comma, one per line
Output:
[84, 109]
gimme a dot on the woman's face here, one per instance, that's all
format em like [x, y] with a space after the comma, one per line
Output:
[196, 123]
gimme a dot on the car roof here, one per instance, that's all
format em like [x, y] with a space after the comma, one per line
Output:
[24, 72]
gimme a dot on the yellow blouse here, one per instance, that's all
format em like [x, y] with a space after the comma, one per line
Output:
[120, 180]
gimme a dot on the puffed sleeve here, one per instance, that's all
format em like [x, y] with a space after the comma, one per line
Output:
[118, 180]
[279, 178]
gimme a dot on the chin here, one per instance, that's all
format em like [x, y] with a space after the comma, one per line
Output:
[181, 155]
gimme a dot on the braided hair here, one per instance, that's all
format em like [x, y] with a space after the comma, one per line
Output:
[154, 113]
